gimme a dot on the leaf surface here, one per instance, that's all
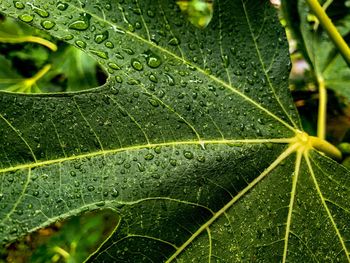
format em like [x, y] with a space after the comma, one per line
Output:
[194, 139]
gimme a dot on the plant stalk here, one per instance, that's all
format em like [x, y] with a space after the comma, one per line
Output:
[32, 39]
[330, 28]
[322, 109]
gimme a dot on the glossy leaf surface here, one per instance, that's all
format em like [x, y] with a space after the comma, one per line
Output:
[194, 139]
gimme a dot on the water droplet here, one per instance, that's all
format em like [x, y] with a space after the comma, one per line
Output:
[99, 53]
[150, 13]
[47, 24]
[18, 5]
[80, 44]
[153, 78]
[188, 155]
[201, 159]
[115, 192]
[243, 65]
[153, 102]
[174, 41]
[136, 64]
[128, 51]
[149, 156]
[141, 167]
[170, 79]
[218, 158]
[158, 150]
[109, 44]
[62, 6]
[68, 37]
[73, 173]
[153, 60]
[40, 12]
[133, 82]
[173, 162]
[113, 66]
[81, 24]
[91, 188]
[99, 38]
[225, 60]
[26, 18]
[118, 79]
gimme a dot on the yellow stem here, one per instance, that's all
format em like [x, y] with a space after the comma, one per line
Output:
[27, 84]
[31, 81]
[325, 147]
[61, 252]
[322, 109]
[332, 31]
[32, 39]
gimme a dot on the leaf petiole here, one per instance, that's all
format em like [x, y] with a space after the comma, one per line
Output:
[322, 109]
[32, 39]
[330, 28]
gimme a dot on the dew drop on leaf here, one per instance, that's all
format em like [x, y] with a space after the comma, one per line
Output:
[149, 156]
[153, 78]
[173, 162]
[99, 38]
[170, 79]
[26, 18]
[47, 24]
[136, 64]
[201, 159]
[99, 53]
[41, 12]
[115, 192]
[109, 44]
[91, 188]
[153, 102]
[80, 44]
[188, 155]
[62, 6]
[119, 79]
[141, 167]
[150, 13]
[113, 65]
[81, 24]
[153, 60]
[68, 37]
[174, 41]
[129, 51]
[18, 5]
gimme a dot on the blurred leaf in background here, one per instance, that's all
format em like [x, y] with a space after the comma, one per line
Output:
[70, 241]
[31, 62]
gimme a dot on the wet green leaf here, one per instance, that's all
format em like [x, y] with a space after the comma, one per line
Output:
[194, 140]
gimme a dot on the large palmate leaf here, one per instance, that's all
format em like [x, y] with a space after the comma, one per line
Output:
[328, 64]
[194, 140]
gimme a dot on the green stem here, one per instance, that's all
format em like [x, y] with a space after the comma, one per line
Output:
[331, 29]
[32, 39]
[322, 109]
[61, 252]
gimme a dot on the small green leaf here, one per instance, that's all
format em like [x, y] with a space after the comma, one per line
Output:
[199, 12]
[319, 50]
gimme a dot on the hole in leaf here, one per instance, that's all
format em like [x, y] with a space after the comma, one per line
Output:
[72, 240]
[29, 64]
